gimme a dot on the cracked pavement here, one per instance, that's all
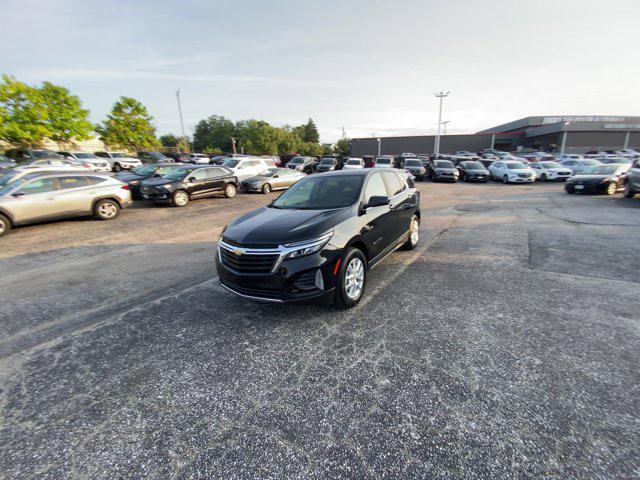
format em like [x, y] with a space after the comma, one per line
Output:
[505, 346]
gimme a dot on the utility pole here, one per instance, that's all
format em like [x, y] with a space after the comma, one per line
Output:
[184, 136]
[439, 95]
[445, 126]
[379, 145]
[233, 144]
[344, 134]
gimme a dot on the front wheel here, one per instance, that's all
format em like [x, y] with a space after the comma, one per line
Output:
[543, 177]
[230, 190]
[414, 234]
[106, 210]
[628, 193]
[180, 198]
[612, 188]
[505, 179]
[352, 280]
[117, 167]
[266, 188]
[5, 225]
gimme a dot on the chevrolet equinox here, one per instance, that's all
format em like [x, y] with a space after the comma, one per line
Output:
[318, 240]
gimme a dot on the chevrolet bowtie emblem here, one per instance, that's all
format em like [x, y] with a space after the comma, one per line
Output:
[238, 251]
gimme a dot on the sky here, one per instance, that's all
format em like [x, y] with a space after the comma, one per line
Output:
[370, 67]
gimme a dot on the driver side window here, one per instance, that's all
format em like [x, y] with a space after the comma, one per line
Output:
[41, 185]
[375, 187]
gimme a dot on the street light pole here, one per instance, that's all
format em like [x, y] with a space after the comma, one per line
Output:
[439, 95]
[379, 143]
[445, 126]
[184, 136]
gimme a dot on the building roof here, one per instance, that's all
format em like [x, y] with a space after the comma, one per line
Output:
[581, 122]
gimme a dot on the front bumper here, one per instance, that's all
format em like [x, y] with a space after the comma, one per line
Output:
[249, 187]
[156, 195]
[586, 187]
[292, 282]
[530, 179]
[447, 177]
[476, 177]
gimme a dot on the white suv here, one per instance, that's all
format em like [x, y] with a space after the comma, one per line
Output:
[119, 161]
[95, 163]
[199, 158]
[245, 167]
[510, 171]
[552, 171]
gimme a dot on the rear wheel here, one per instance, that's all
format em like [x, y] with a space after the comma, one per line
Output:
[414, 234]
[266, 188]
[106, 210]
[230, 190]
[612, 188]
[117, 167]
[180, 198]
[352, 279]
[5, 225]
[628, 193]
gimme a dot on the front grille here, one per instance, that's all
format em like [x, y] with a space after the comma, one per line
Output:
[524, 175]
[248, 263]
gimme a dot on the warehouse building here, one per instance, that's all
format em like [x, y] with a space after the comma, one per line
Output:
[564, 134]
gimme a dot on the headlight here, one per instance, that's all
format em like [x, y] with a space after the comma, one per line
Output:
[422, 170]
[168, 186]
[308, 247]
[135, 182]
[224, 229]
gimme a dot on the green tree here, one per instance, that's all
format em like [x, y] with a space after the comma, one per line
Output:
[327, 150]
[128, 126]
[23, 116]
[214, 132]
[343, 147]
[311, 133]
[169, 140]
[311, 149]
[65, 118]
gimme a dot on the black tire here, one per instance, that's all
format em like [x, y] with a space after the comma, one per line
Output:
[628, 193]
[117, 167]
[343, 300]
[412, 242]
[5, 225]
[230, 190]
[543, 177]
[106, 209]
[505, 179]
[266, 188]
[180, 198]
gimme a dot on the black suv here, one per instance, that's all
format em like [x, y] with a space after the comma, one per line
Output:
[632, 180]
[189, 182]
[318, 240]
[135, 177]
[473, 171]
[442, 170]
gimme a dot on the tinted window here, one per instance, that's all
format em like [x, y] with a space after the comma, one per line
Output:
[40, 185]
[394, 184]
[375, 187]
[200, 173]
[73, 182]
[100, 154]
[321, 192]
[444, 164]
[214, 172]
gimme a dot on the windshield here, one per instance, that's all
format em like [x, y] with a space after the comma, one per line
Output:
[384, 161]
[474, 165]
[10, 186]
[118, 155]
[601, 169]
[6, 178]
[353, 162]
[231, 163]
[44, 154]
[84, 155]
[413, 163]
[178, 173]
[269, 172]
[444, 164]
[296, 160]
[550, 165]
[321, 192]
[516, 166]
[144, 170]
[328, 161]
[590, 162]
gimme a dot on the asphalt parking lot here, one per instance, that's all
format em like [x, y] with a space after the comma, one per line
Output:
[505, 346]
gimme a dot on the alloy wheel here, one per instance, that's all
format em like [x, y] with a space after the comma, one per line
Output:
[266, 188]
[107, 210]
[230, 191]
[354, 279]
[612, 188]
[3, 226]
[415, 232]
[181, 199]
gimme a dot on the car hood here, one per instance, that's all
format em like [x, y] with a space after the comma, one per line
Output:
[477, 170]
[588, 178]
[256, 179]
[273, 226]
[156, 182]
[128, 176]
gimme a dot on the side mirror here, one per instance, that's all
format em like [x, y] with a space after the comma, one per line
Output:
[377, 202]
[192, 179]
[276, 176]
[17, 194]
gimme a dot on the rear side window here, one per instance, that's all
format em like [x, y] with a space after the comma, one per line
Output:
[95, 180]
[73, 182]
[394, 184]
